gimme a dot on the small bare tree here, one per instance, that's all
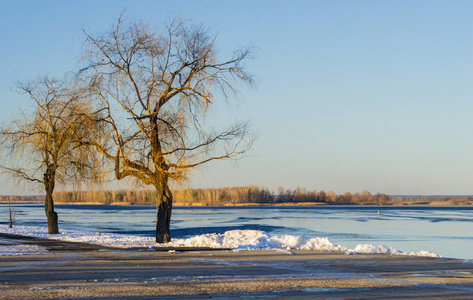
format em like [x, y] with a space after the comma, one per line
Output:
[42, 146]
[157, 88]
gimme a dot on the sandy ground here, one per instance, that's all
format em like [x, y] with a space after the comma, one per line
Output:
[81, 271]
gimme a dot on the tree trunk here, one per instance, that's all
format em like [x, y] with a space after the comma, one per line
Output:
[51, 215]
[163, 217]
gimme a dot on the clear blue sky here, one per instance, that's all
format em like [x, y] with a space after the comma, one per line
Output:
[351, 95]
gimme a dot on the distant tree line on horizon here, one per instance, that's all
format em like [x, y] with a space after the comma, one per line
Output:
[453, 200]
[223, 196]
[239, 195]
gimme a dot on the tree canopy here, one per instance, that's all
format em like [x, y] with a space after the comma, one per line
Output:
[42, 144]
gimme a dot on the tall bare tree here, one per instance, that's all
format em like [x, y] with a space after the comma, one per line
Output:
[42, 146]
[157, 87]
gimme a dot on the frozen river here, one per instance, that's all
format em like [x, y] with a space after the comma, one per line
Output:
[445, 230]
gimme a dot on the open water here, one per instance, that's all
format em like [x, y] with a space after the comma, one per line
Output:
[445, 230]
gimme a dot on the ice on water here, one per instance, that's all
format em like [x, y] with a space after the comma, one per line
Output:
[234, 239]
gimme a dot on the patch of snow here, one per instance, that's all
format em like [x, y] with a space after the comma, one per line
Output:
[43, 288]
[256, 240]
[104, 239]
[468, 261]
[382, 249]
[20, 249]
[285, 251]
[424, 253]
[371, 249]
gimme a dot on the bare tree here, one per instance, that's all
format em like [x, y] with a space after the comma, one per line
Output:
[42, 146]
[157, 88]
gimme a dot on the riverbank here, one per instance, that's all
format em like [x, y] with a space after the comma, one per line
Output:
[433, 203]
[103, 273]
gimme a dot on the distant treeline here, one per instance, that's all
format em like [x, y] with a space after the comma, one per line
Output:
[15, 198]
[222, 196]
[239, 196]
[451, 200]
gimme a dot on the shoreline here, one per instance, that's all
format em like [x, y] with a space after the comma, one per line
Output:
[305, 274]
[313, 204]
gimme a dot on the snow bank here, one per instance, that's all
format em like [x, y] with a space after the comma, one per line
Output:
[255, 240]
[104, 239]
[371, 249]
[423, 253]
[234, 239]
[382, 249]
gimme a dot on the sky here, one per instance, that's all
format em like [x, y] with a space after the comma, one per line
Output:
[350, 95]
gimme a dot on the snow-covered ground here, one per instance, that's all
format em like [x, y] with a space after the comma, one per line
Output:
[235, 239]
